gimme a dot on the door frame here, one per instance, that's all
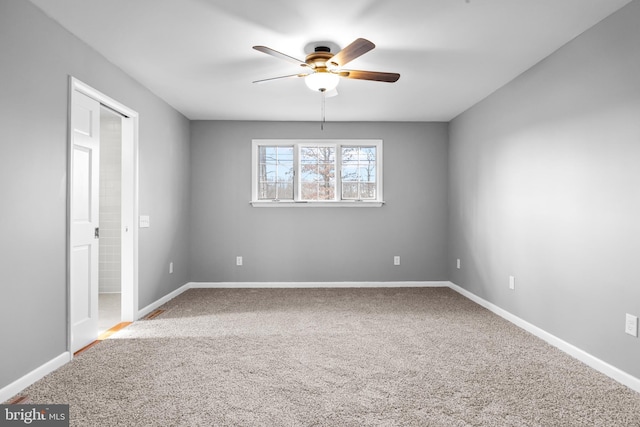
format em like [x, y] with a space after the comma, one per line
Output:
[130, 207]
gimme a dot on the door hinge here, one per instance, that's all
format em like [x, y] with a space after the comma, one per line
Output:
[96, 234]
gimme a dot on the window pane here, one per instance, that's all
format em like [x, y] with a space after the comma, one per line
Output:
[368, 153]
[267, 154]
[367, 173]
[285, 154]
[285, 191]
[285, 172]
[359, 169]
[268, 172]
[327, 171]
[309, 155]
[327, 154]
[349, 154]
[327, 191]
[309, 191]
[310, 175]
[367, 191]
[267, 191]
[349, 173]
[349, 190]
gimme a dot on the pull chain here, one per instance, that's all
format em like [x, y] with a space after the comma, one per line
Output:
[322, 108]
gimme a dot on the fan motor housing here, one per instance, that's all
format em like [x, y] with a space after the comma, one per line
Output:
[319, 58]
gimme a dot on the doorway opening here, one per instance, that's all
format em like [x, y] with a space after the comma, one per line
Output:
[102, 249]
[110, 220]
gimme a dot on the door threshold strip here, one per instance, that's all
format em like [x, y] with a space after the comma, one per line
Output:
[103, 336]
[18, 400]
[106, 334]
[153, 314]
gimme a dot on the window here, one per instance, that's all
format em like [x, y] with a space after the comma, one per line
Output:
[359, 172]
[275, 174]
[317, 172]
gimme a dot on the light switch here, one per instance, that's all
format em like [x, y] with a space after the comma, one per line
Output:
[144, 221]
[631, 325]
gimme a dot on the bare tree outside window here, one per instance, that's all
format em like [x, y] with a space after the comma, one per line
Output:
[318, 173]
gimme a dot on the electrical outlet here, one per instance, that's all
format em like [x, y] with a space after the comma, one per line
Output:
[512, 283]
[238, 260]
[171, 267]
[458, 263]
[396, 260]
[631, 325]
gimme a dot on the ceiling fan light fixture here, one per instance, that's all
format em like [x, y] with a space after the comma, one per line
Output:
[322, 81]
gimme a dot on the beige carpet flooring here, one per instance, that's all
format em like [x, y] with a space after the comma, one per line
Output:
[331, 357]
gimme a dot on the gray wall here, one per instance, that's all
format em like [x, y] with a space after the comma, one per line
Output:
[545, 186]
[37, 58]
[318, 244]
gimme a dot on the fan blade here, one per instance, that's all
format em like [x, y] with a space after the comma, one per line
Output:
[370, 75]
[280, 55]
[281, 77]
[351, 52]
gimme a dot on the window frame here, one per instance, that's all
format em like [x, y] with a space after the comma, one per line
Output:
[297, 145]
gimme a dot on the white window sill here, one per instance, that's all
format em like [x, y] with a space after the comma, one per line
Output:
[310, 204]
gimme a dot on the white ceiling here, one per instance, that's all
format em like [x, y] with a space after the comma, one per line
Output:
[197, 54]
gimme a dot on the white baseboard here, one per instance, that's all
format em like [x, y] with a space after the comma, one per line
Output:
[292, 285]
[148, 309]
[21, 383]
[586, 358]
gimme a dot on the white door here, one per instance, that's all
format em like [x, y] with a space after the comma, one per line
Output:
[84, 200]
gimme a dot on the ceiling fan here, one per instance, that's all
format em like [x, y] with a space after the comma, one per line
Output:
[324, 69]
